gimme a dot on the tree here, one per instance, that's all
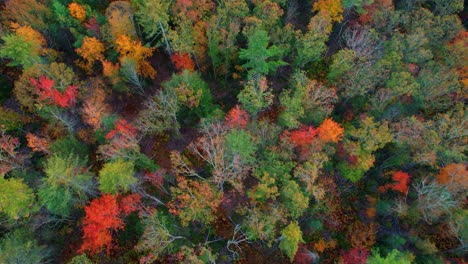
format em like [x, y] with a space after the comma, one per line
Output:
[394, 256]
[330, 8]
[95, 107]
[183, 61]
[120, 15]
[291, 237]
[255, 96]
[160, 113]
[153, 15]
[19, 246]
[91, 50]
[401, 180]
[434, 200]
[116, 176]
[19, 51]
[37, 144]
[67, 184]
[294, 200]
[27, 12]
[77, 11]
[49, 94]
[454, 176]
[10, 158]
[237, 118]
[359, 145]
[262, 224]
[16, 198]
[194, 200]
[260, 58]
[239, 142]
[102, 218]
[305, 101]
[159, 235]
[330, 131]
[312, 44]
[132, 49]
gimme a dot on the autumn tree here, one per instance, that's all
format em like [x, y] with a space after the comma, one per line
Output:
[255, 96]
[37, 144]
[293, 199]
[183, 61]
[159, 235]
[291, 236]
[455, 177]
[102, 218]
[77, 11]
[120, 16]
[194, 200]
[116, 176]
[306, 100]
[10, 157]
[132, 49]
[91, 50]
[67, 184]
[51, 95]
[27, 12]
[330, 131]
[359, 145]
[16, 198]
[332, 9]
[237, 118]
[261, 59]
[154, 17]
[312, 44]
[95, 107]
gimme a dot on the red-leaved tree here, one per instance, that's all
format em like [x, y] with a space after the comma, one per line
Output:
[47, 93]
[104, 216]
[304, 136]
[401, 181]
[236, 117]
[182, 61]
[355, 255]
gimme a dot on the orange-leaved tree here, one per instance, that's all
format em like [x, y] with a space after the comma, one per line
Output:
[77, 11]
[330, 131]
[330, 8]
[132, 49]
[91, 50]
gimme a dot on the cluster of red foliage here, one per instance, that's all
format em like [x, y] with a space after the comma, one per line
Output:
[104, 215]
[182, 61]
[236, 117]
[155, 178]
[48, 93]
[122, 127]
[93, 25]
[304, 136]
[401, 180]
[304, 256]
[355, 255]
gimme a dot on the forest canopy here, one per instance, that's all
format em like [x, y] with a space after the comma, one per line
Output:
[233, 131]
